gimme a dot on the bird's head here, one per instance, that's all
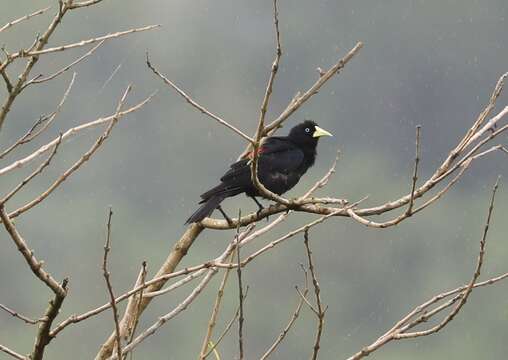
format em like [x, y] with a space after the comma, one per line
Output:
[307, 133]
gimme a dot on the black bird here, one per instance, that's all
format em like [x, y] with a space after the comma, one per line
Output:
[282, 160]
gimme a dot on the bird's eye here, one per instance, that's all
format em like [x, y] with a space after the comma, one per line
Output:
[307, 130]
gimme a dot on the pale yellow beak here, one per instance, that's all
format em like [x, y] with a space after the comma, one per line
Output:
[320, 132]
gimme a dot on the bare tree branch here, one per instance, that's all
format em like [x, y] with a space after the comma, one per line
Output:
[106, 274]
[195, 104]
[81, 43]
[40, 79]
[77, 164]
[415, 174]
[12, 353]
[240, 289]
[35, 265]
[38, 45]
[163, 319]
[135, 322]
[43, 335]
[399, 330]
[314, 89]
[312, 205]
[26, 17]
[483, 115]
[187, 301]
[7, 81]
[273, 73]
[15, 314]
[38, 48]
[43, 123]
[320, 313]
[81, 4]
[228, 326]
[292, 320]
[32, 175]
[215, 313]
[69, 133]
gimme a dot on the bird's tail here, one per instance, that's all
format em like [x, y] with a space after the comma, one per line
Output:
[206, 209]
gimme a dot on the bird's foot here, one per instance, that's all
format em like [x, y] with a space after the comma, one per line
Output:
[260, 208]
[228, 219]
[259, 213]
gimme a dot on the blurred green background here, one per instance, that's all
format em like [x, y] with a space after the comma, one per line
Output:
[432, 63]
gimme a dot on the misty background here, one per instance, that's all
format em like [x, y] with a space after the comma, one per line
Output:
[433, 63]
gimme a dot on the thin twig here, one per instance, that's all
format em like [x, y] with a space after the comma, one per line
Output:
[12, 353]
[127, 324]
[303, 297]
[240, 290]
[283, 238]
[181, 306]
[273, 73]
[215, 313]
[77, 5]
[43, 337]
[476, 275]
[468, 138]
[260, 132]
[32, 261]
[314, 89]
[78, 163]
[163, 319]
[8, 83]
[32, 175]
[23, 18]
[82, 42]
[317, 292]
[324, 180]
[193, 275]
[43, 122]
[73, 319]
[292, 320]
[19, 316]
[398, 331]
[228, 326]
[140, 298]
[415, 173]
[106, 274]
[39, 44]
[38, 79]
[195, 104]
[71, 132]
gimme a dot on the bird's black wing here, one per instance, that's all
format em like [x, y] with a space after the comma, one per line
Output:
[276, 155]
[280, 155]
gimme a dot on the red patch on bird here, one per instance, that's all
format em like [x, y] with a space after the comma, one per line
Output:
[250, 155]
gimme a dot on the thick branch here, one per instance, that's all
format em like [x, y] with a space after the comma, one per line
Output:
[43, 335]
[178, 251]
